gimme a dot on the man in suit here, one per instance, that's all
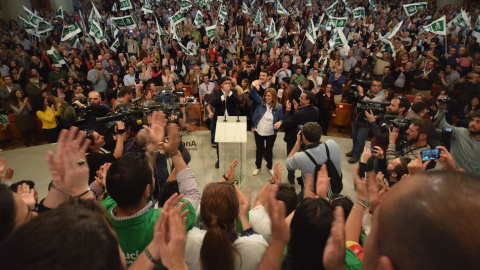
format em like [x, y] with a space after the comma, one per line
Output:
[304, 112]
[7, 89]
[225, 102]
[194, 79]
[34, 88]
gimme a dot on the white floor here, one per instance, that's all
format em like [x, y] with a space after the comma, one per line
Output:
[29, 163]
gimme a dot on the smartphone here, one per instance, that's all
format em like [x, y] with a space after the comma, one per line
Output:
[372, 149]
[431, 154]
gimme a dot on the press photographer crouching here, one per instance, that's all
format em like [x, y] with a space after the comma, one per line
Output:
[394, 117]
[373, 99]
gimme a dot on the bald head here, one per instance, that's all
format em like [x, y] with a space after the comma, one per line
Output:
[428, 221]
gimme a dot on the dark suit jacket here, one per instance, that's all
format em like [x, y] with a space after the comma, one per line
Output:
[389, 80]
[291, 121]
[219, 105]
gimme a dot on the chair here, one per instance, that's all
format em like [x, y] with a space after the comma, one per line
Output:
[410, 97]
[188, 90]
[343, 114]
[435, 90]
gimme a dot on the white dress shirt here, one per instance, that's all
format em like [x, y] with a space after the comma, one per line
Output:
[265, 125]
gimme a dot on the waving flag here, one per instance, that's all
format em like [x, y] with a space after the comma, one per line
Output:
[125, 5]
[281, 9]
[310, 34]
[438, 26]
[70, 31]
[411, 9]
[59, 13]
[271, 32]
[331, 9]
[359, 12]
[393, 32]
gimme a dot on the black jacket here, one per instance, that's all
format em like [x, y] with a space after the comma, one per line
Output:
[219, 105]
[291, 121]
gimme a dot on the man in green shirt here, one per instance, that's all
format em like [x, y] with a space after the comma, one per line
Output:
[130, 185]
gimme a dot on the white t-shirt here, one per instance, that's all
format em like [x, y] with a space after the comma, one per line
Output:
[250, 250]
[260, 221]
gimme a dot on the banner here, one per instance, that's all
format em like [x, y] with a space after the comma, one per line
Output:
[59, 13]
[198, 19]
[211, 31]
[30, 28]
[177, 18]
[258, 17]
[74, 41]
[393, 32]
[461, 19]
[245, 9]
[70, 31]
[309, 3]
[310, 34]
[96, 32]
[334, 22]
[223, 11]
[125, 22]
[331, 9]
[281, 9]
[271, 31]
[279, 34]
[374, 7]
[115, 45]
[388, 43]
[476, 30]
[358, 13]
[186, 5]
[438, 27]
[114, 28]
[411, 9]
[125, 5]
[32, 18]
[185, 50]
[337, 39]
[56, 57]
[148, 8]
[160, 31]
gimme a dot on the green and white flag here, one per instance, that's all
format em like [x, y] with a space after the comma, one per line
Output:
[96, 32]
[114, 8]
[269, 1]
[310, 34]
[279, 34]
[95, 10]
[461, 19]
[186, 5]
[115, 45]
[223, 11]
[309, 3]
[411, 9]
[271, 32]
[160, 31]
[359, 12]
[185, 50]
[318, 26]
[438, 27]
[476, 29]
[74, 41]
[30, 28]
[198, 19]
[56, 57]
[44, 28]
[252, 4]
[221, 19]
[125, 5]
[281, 9]
[114, 28]
[32, 18]
[245, 9]
[374, 6]
[388, 44]
[337, 39]
[148, 8]
[258, 17]
[331, 9]
[211, 31]
[70, 31]
[334, 22]
[59, 13]
[177, 18]
[125, 22]
[393, 32]
[347, 7]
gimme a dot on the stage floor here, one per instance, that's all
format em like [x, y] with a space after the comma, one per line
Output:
[29, 163]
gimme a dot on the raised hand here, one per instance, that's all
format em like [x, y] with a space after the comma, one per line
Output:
[8, 174]
[27, 195]
[446, 159]
[3, 162]
[277, 173]
[417, 166]
[245, 204]
[277, 212]
[102, 174]
[323, 181]
[230, 175]
[173, 142]
[156, 131]
[334, 252]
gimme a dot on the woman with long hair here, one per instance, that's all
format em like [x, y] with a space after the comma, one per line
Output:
[240, 49]
[115, 83]
[48, 117]
[91, 61]
[267, 119]
[218, 245]
[336, 60]
[23, 118]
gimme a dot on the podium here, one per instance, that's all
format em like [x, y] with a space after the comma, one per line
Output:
[231, 139]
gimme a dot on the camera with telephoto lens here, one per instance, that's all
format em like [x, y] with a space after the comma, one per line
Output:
[392, 121]
[444, 100]
[353, 92]
[376, 107]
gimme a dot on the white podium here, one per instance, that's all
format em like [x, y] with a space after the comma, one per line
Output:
[231, 139]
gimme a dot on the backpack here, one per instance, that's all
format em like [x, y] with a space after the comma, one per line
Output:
[336, 185]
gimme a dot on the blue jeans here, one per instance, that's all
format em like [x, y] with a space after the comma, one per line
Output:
[359, 137]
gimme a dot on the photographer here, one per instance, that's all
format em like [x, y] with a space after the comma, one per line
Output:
[360, 127]
[310, 137]
[126, 95]
[418, 134]
[399, 106]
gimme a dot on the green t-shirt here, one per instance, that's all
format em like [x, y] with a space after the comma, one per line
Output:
[135, 234]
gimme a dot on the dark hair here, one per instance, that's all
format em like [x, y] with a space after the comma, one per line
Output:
[127, 179]
[286, 79]
[265, 71]
[404, 103]
[125, 90]
[7, 212]
[401, 169]
[218, 209]
[310, 96]
[287, 194]
[76, 235]
[424, 127]
[419, 107]
[13, 98]
[312, 132]
[310, 228]
[38, 104]
[167, 190]
[224, 79]
[376, 80]
[343, 201]
[14, 186]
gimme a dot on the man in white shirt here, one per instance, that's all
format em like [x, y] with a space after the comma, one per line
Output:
[129, 79]
[205, 88]
[193, 46]
[283, 72]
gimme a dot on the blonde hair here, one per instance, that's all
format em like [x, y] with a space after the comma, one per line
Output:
[273, 92]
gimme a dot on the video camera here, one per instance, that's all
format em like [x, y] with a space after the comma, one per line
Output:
[353, 92]
[392, 121]
[376, 107]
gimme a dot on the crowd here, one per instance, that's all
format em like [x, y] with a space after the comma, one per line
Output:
[127, 198]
